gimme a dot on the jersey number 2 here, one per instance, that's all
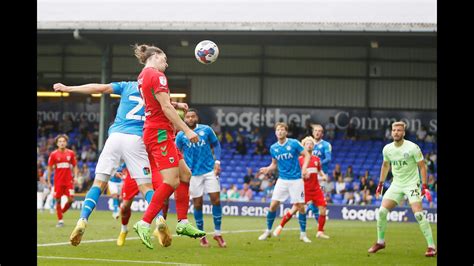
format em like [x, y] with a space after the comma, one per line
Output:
[132, 114]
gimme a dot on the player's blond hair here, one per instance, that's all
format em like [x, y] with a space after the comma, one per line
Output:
[143, 52]
[308, 138]
[317, 125]
[399, 123]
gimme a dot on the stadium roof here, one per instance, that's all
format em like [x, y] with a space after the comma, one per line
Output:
[239, 15]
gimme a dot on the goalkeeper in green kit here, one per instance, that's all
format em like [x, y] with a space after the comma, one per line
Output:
[404, 157]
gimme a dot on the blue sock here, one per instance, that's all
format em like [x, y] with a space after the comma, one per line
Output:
[217, 216]
[270, 219]
[315, 211]
[302, 221]
[149, 195]
[116, 204]
[198, 218]
[90, 202]
[53, 203]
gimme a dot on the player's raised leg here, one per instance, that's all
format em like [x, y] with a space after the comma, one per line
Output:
[286, 218]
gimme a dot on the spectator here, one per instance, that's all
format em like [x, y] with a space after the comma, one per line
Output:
[430, 165]
[351, 132]
[336, 172]
[246, 193]
[357, 193]
[371, 189]
[223, 195]
[255, 184]
[421, 133]
[91, 154]
[388, 134]
[293, 130]
[367, 176]
[340, 186]
[330, 129]
[228, 137]
[241, 147]
[66, 125]
[83, 177]
[83, 127]
[233, 193]
[217, 129]
[328, 198]
[255, 135]
[308, 131]
[430, 137]
[432, 183]
[349, 175]
[265, 182]
[363, 187]
[268, 191]
[260, 148]
[249, 176]
[329, 186]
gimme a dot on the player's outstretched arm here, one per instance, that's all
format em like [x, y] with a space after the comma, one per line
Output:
[90, 88]
[304, 167]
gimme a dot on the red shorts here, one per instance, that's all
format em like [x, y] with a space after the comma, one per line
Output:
[61, 189]
[130, 187]
[161, 148]
[316, 195]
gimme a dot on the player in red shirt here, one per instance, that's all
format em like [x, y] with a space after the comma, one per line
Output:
[159, 130]
[313, 195]
[62, 160]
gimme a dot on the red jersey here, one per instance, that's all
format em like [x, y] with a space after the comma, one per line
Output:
[314, 166]
[150, 82]
[62, 161]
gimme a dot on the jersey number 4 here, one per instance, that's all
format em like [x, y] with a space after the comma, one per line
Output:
[132, 114]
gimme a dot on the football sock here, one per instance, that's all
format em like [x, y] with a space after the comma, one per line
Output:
[181, 196]
[116, 204]
[270, 219]
[321, 222]
[157, 201]
[302, 221]
[90, 202]
[217, 217]
[66, 207]
[164, 210]
[285, 219]
[425, 228]
[59, 213]
[125, 214]
[198, 218]
[381, 224]
[315, 211]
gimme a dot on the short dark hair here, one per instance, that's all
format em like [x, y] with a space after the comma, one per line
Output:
[194, 110]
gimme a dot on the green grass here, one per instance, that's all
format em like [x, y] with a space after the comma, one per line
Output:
[348, 244]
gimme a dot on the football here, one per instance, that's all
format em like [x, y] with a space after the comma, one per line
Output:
[206, 52]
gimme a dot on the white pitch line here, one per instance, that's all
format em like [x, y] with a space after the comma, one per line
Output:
[135, 238]
[109, 260]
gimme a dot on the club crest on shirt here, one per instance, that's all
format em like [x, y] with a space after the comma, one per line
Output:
[288, 148]
[68, 157]
[163, 80]
[320, 146]
[201, 133]
[171, 159]
[406, 155]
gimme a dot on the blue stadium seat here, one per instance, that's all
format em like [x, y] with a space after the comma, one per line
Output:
[336, 196]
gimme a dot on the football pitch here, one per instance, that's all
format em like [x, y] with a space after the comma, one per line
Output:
[347, 246]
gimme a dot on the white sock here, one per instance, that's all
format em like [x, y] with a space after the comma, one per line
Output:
[302, 234]
[217, 232]
[61, 221]
[124, 228]
[184, 221]
[380, 241]
[82, 219]
[145, 224]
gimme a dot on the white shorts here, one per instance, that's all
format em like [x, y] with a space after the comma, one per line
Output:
[115, 187]
[206, 183]
[128, 148]
[292, 188]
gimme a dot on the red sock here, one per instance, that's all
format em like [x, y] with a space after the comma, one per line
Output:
[181, 197]
[165, 209]
[125, 214]
[286, 218]
[66, 207]
[58, 209]
[321, 222]
[157, 201]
